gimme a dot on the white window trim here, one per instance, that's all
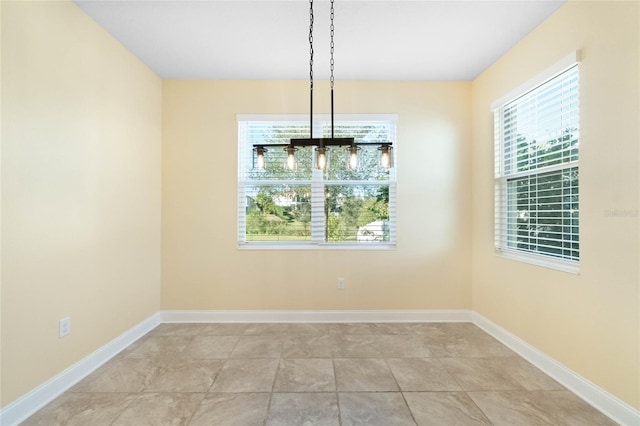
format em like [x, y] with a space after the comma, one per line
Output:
[558, 68]
[324, 245]
[564, 265]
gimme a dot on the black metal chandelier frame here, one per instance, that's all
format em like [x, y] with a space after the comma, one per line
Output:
[321, 144]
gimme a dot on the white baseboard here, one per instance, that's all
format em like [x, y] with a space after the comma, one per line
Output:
[31, 402]
[318, 316]
[614, 408]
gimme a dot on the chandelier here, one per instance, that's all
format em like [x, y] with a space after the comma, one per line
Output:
[322, 144]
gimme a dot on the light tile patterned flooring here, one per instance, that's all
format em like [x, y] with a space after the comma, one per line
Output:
[317, 374]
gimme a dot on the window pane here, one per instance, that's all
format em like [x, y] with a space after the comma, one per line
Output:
[542, 213]
[357, 213]
[278, 213]
[541, 128]
[532, 154]
[275, 157]
[275, 167]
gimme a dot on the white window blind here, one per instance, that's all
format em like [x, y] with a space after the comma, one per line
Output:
[305, 207]
[536, 174]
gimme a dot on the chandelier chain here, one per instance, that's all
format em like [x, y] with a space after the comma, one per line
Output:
[311, 43]
[323, 142]
[332, 45]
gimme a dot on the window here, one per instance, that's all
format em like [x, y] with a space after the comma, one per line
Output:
[309, 208]
[536, 174]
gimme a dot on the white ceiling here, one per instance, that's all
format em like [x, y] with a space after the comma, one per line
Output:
[374, 40]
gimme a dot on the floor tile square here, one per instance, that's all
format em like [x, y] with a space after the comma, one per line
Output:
[246, 375]
[401, 346]
[232, 409]
[512, 408]
[317, 409]
[307, 346]
[82, 409]
[557, 408]
[355, 346]
[444, 408]
[422, 374]
[364, 375]
[185, 375]
[132, 347]
[224, 329]
[480, 374]
[530, 377]
[160, 347]
[258, 347]
[121, 375]
[210, 347]
[305, 375]
[374, 409]
[568, 409]
[462, 345]
[160, 409]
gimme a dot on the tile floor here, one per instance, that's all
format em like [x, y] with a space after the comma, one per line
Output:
[317, 374]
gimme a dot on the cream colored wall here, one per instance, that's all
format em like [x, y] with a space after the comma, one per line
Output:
[589, 322]
[81, 124]
[201, 265]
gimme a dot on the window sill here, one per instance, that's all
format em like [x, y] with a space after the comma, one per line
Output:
[316, 246]
[569, 266]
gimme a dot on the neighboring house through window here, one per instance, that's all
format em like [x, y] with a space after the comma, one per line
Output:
[306, 207]
[537, 134]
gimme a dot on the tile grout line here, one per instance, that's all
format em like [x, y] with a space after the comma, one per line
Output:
[335, 379]
[466, 392]
[126, 407]
[400, 391]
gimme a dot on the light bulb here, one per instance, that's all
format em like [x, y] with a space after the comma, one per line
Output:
[322, 159]
[290, 163]
[259, 150]
[386, 159]
[353, 161]
[353, 157]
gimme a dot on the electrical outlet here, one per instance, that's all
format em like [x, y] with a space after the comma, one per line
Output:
[341, 283]
[65, 326]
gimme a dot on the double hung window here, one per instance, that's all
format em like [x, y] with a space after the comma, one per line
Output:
[537, 138]
[308, 208]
